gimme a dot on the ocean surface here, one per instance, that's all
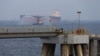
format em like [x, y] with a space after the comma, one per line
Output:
[32, 46]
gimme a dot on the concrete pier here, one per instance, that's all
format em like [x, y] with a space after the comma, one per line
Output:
[72, 43]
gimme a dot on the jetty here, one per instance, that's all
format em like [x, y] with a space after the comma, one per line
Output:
[78, 42]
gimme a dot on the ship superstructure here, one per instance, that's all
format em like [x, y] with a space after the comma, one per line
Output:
[55, 17]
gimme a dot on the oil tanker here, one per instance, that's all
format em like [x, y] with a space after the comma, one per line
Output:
[40, 20]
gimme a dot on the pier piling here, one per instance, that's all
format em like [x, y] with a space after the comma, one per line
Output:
[78, 50]
[48, 49]
[98, 47]
[85, 50]
[91, 48]
[71, 50]
[64, 50]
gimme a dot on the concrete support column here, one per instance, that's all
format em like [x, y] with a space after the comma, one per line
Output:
[78, 50]
[64, 50]
[85, 50]
[48, 49]
[71, 50]
[91, 48]
[98, 48]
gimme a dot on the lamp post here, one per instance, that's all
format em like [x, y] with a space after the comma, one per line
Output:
[79, 12]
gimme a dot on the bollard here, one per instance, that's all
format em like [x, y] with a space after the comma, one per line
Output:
[91, 48]
[64, 50]
[48, 49]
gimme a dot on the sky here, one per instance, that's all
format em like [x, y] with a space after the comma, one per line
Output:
[12, 9]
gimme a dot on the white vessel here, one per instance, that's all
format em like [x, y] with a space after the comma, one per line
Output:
[40, 20]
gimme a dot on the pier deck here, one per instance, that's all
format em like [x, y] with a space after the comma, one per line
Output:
[35, 32]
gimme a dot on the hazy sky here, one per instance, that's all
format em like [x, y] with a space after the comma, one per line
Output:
[12, 9]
